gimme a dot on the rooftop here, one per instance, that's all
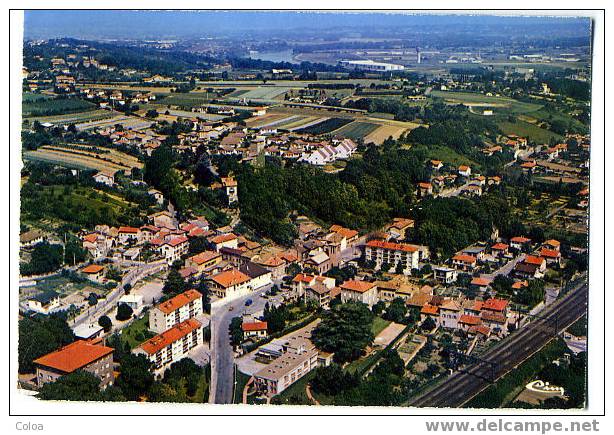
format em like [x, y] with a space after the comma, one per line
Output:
[179, 301]
[153, 345]
[74, 356]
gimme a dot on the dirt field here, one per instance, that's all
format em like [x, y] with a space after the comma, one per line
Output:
[384, 132]
[389, 333]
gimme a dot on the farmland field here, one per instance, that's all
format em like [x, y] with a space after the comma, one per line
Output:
[357, 129]
[530, 131]
[80, 117]
[112, 162]
[324, 127]
[384, 132]
[47, 106]
[480, 100]
[265, 93]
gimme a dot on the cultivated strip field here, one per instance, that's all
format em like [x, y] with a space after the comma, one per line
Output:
[383, 132]
[71, 118]
[357, 129]
[112, 162]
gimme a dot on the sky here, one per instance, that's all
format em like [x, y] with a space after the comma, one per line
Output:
[105, 24]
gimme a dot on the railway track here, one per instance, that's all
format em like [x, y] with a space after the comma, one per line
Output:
[462, 386]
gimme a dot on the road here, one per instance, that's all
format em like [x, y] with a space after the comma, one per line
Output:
[460, 387]
[455, 191]
[505, 269]
[222, 356]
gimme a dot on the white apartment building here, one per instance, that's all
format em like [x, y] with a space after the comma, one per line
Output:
[172, 345]
[176, 310]
[401, 256]
[174, 249]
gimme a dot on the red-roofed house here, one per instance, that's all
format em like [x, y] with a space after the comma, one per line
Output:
[94, 272]
[254, 329]
[551, 255]
[520, 242]
[402, 257]
[79, 355]
[360, 291]
[174, 248]
[499, 249]
[127, 234]
[464, 261]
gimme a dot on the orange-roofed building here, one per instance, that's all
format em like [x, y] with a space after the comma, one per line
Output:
[204, 261]
[178, 309]
[79, 355]
[481, 283]
[499, 249]
[128, 234]
[520, 242]
[495, 305]
[429, 310]
[254, 329]
[350, 235]
[551, 255]
[402, 257]
[540, 262]
[359, 291]
[230, 284]
[94, 272]
[552, 244]
[172, 345]
[464, 261]
[466, 321]
[228, 240]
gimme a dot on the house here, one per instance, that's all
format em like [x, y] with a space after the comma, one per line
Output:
[232, 191]
[94, 272]
[527, 271]
[230, 284]
[31, 238]
[133, 301]
[551, 256]
[171, 345]
[468, 321]
[105, 177]
[397, 287]
[464, 261]
[540, 262]
[464, 171]
[480, 284]
[351, 236]
[399, 227]
[78, 355]
[322, 293]
[402, 257]
[174, 248]
[45, 302]
[436, 165]
[163, 219]
[445, 275]
[257, 330]
[520, 243]
[228, 240]
[499, 250]
[495, 306]
[552, 244]
[128, 234]
[425, 189]
[259, 276]
[360, 291]
[431, 311]
[175, 310]
[158, 196]
[449, 312]
[315, 287]
[204, 261]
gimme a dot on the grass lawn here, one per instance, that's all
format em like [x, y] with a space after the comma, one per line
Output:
[241, 379]
[137, 332]
[295, 394]
[202, 393]
[500, 103]
[378, 325]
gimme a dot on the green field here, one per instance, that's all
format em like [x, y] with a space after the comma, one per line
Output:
[47, 106]
[447, 155]
[186, 100]
[324, 127]
[474, 99]
[530, 131]
[356, 129]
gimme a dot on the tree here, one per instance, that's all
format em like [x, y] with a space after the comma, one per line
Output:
[175, 283]
[151, 113]
[332, 380]
[39, 336]
[106, 323]
[428, 324]
[275, 317]
[236, 331]
[396, 311]
[124, 312]
[345, 330]
[45, 258]
[135, 376]
[79, 386]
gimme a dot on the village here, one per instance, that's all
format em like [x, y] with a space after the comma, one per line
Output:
[203, 282]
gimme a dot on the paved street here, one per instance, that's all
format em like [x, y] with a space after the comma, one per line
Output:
[505, 269]
[222, 357]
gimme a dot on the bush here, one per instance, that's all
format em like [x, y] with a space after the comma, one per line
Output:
[124, 312]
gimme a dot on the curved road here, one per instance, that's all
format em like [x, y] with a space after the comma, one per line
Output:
[460, 387]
